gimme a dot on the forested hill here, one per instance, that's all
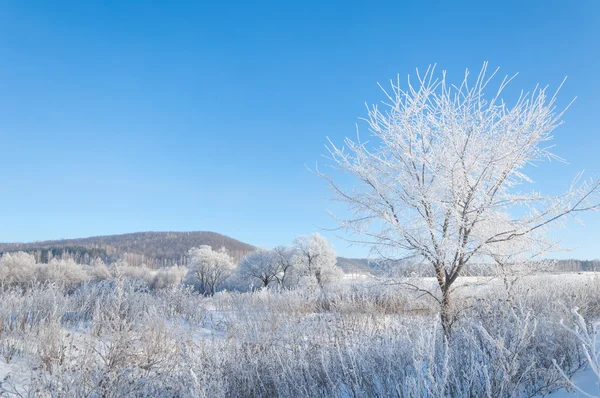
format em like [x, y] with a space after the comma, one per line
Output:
[155, 249]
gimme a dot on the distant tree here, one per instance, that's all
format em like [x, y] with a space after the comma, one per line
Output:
[285, 257]
[262, 266]
[208, 269]
[442, 177]
[316, 258]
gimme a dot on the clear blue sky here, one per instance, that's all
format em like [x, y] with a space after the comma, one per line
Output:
[124, 116]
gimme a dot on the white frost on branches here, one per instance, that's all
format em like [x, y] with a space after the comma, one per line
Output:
[443, 177]
[262, 266]
[316, 259]
[208, 269]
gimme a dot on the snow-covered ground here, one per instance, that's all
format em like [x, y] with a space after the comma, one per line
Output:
[364, 333]
[13, 376]
[586, 383]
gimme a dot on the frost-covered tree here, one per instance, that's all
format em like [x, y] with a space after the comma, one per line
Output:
[285, 257]
[208, 269]
[442, 177]
[315, 258]
[262, 266]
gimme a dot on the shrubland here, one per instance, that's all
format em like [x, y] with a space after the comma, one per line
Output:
[114, 330]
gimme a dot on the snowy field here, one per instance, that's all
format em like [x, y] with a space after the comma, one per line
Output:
[359, 337]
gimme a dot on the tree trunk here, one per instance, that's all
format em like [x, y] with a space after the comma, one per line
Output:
[445, 315]
[444, 284]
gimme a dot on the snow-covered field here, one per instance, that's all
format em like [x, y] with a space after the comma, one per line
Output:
[586, 383]
[362, 337]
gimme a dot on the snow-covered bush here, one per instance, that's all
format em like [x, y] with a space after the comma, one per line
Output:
[98, 271]
[588, 338]
[167, 277]
[113, 338]
[65, 273]
[17, 268]
[121, 269]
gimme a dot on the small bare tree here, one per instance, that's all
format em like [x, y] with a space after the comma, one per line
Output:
[442, 179]
[261, 265]
[285, 257]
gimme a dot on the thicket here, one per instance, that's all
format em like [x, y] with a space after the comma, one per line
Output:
[123, 336]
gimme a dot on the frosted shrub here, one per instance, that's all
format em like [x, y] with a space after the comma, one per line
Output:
[16, 268]
[122, 269]
[98, 271]
[588, 338]
[309, 284]
[339, 340]
[52, 345]
[65, 273]
[21, 269]
[39, 303]
[167, 277]
[126, 359]
[10, 347]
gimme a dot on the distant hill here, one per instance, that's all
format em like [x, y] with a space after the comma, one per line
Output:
[155, 249]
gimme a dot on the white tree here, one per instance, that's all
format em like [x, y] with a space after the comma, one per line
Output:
[208, 269]
[443, 178]
[285, 257]
[261, 265]
[316, 258]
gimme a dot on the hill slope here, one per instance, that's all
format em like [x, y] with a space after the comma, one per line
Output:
[151, 248]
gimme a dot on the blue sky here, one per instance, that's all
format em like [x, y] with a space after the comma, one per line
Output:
[124, 116]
